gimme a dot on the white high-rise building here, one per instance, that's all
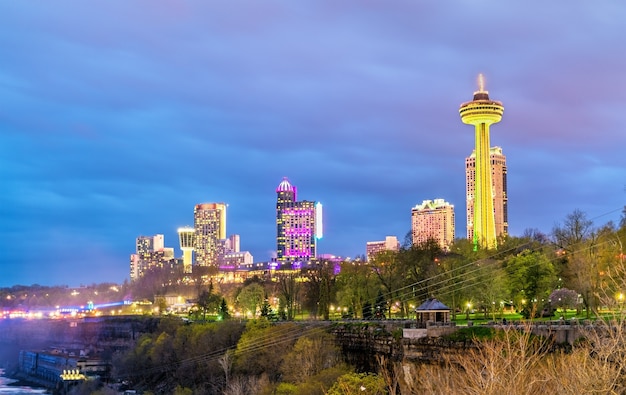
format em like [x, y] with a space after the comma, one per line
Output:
[498, 191]
[433, 219]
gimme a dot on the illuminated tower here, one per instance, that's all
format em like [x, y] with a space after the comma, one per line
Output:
[186, 237]
[499, 185]
[482, 112]
[210, 228]
[298, 225]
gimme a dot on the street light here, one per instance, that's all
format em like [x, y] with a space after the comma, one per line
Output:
[469, 306]
[70, 377]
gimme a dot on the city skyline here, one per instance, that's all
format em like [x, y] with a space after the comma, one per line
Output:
[117, 118]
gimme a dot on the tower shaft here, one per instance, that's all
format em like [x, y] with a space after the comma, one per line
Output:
[187, 259]
[484, 220]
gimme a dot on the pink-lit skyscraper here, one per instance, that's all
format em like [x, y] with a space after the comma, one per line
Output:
[298, 225]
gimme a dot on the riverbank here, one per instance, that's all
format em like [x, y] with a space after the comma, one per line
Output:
[17, 385]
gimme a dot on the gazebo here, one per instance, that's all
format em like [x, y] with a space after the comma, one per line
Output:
[432, 311]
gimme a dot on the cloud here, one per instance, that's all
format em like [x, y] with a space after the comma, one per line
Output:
[118, 117]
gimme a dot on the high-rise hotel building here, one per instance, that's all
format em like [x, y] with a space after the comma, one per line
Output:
[433, 219]
[498, 191]
[210, 233]
[373, 248]
[150, 253]
[298, 225]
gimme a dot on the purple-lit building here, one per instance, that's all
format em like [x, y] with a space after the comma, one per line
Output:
[298, 225]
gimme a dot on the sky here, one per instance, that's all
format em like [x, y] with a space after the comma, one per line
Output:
[117, 117]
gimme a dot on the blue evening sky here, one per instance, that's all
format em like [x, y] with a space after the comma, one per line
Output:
[118, 116]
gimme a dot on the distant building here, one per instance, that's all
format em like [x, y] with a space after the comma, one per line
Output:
[235, 260]
[433, 219]
[210, 232]
[498, 188]
[234, 243]
[150, 253]
[372, 248]
[186, 238]
[298, 225]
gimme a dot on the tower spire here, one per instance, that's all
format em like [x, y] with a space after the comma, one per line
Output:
[481, 83]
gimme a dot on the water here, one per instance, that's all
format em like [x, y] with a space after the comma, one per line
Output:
[6, 389]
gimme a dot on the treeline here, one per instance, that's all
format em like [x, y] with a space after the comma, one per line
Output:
[578, 265]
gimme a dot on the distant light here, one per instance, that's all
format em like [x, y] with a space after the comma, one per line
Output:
[319, 233]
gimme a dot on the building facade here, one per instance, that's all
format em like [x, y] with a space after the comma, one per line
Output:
[433, 219]
[372, 248]
[298, 225]
[150, 253]
[498, 188]
[210, 233]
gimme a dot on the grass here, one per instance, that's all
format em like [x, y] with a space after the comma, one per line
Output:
[479, 318]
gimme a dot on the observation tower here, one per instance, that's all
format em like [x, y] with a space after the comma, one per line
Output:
[482, 112]
[186, 237]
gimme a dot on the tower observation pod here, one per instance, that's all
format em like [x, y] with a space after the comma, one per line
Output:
[482, 112]
[186, 237]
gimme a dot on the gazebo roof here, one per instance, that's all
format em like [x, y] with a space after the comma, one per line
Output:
[432, 304]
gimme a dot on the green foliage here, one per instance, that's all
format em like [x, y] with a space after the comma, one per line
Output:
[359, 383]
[250, 298]
[310, 355]
[531, 276]
[472, 333]
[182, 354]
[258, 348]
[397, 334]
[288, 288]
[356, 285]
[207, 303]
[286, 389]
[182, 391]
[222, 312]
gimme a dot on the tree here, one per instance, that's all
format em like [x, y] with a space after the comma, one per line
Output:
[390, 271]
[207, 302]
[320, 289]
[222, 312]
[531, 276]
[260, 350]
[380, 306]
[420, 265]
[251, 298]
[310, 355]
[356, 284]
[563, 299]
[359, 383]
[288, 290]
[576, 241]
[576, 228]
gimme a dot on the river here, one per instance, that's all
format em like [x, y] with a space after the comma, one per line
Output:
[7, 389]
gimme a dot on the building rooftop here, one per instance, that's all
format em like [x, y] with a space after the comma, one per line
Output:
[285, 186]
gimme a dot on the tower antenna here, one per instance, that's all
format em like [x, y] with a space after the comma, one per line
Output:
[481, 83]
